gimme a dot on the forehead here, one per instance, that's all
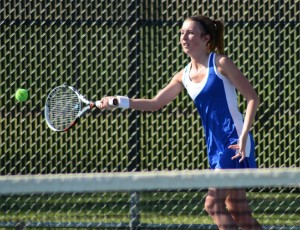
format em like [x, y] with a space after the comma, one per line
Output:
[190, 25]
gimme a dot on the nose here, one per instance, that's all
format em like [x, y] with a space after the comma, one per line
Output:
[184, 36]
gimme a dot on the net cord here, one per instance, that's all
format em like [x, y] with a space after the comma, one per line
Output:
[143, 181]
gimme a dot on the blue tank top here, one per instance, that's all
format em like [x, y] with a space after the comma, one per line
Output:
[216, 101]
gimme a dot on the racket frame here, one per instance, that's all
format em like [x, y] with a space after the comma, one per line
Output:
[82, 111]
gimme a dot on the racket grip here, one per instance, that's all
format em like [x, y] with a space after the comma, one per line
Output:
[113, 102]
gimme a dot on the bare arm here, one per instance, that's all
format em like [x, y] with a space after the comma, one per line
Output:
[165, 96]
[227, 68]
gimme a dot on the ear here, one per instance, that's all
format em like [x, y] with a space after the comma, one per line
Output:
[206, 37]
[208, 44]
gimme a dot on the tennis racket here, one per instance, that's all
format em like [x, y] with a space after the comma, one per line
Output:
[65, 106]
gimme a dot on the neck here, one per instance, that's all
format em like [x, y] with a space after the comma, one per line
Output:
[199, 61]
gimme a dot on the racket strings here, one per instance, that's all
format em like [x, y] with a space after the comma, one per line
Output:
[63, 108]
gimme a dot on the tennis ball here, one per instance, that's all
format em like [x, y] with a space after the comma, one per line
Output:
[21, 95]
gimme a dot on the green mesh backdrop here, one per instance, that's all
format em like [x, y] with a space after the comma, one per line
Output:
[132, 48]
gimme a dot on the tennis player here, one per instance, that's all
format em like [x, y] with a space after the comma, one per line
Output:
[211, 79]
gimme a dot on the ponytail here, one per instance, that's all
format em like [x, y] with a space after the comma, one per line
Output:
[219, 39]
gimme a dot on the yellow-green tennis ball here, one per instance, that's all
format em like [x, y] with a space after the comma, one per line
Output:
[21, 95]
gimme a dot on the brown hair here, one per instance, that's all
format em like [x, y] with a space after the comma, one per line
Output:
[215, 28]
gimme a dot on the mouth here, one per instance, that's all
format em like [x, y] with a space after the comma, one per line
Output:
[185, 45]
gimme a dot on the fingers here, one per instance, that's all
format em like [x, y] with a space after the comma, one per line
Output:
[240, 153]
[104, 103]
[99, 104]
[242, 158]
[236, 156]
[236, 147]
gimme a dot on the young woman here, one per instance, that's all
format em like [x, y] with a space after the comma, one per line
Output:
[211, 80]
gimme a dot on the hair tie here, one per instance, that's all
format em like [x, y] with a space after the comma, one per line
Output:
[215, 23]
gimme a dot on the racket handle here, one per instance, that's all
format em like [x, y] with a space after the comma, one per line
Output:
[113, 102]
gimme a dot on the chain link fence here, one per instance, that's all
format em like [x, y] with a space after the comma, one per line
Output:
[131, 47]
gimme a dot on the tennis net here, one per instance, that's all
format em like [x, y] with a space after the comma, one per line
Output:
[144, 200]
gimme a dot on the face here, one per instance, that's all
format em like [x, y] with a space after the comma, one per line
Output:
[192, 38]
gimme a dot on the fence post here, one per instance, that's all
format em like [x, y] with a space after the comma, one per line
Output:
[134, 124]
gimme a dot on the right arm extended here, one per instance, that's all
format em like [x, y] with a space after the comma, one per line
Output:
[164, 96]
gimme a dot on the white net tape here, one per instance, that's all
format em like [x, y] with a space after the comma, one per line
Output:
[144, 181]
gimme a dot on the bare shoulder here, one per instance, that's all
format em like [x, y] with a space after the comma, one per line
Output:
[223, 60]
[178, 76]
[229, 70]
[226, 66]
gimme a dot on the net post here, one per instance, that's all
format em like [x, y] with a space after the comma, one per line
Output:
[134, 211]
[20, 226]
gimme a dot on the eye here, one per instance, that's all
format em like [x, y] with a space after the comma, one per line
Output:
[186, 32]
